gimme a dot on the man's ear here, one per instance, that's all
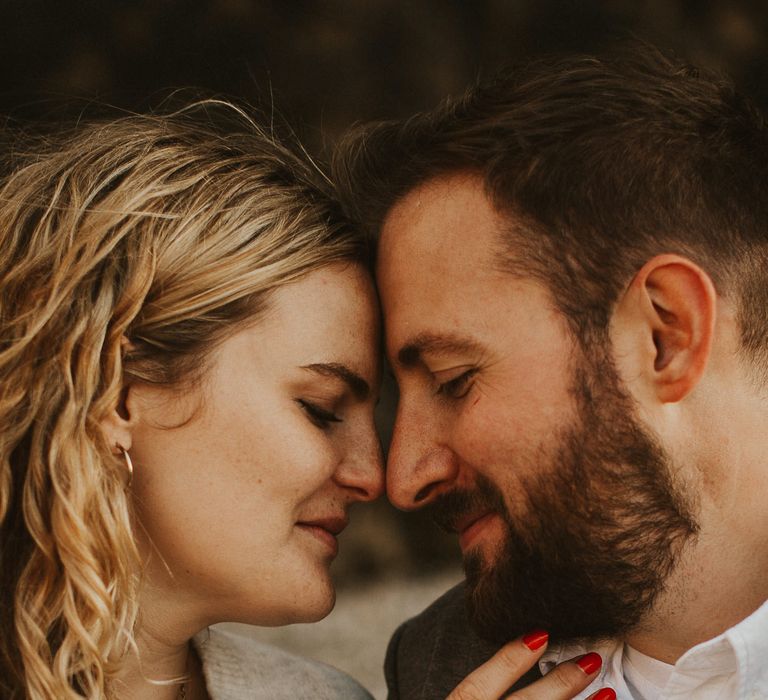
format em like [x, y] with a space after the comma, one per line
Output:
[663, 325]
[118, 425]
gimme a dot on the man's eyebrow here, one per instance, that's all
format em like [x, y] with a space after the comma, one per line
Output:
[439, 344]
[354, 381]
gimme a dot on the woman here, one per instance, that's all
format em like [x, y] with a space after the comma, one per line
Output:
[188, 368]
[188, 374]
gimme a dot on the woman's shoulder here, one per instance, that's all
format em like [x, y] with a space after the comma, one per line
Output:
[237, 667]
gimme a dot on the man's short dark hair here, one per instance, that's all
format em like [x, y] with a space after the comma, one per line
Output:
[600, 163]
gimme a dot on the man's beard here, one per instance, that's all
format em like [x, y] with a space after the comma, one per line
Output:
[599, 527]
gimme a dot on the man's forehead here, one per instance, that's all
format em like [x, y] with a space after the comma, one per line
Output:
[444, 194]
[446, 222]
[438, 268]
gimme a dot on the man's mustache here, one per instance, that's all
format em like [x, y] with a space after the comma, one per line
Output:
[452, 508]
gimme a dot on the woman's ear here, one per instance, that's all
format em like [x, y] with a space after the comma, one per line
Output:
[663, 325]
[117, 426]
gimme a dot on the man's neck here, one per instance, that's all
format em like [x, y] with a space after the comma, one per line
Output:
[719, 581]
[720, 576]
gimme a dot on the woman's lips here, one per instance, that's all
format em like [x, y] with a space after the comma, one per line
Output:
[325, 531]
[471, 531]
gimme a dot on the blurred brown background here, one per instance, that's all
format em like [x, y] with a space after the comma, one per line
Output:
[323, 66]
[331, 63]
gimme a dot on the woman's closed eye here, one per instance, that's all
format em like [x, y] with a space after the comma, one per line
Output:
[457, 387]
[320, 417]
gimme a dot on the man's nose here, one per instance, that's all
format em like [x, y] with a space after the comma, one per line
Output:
[420, 466]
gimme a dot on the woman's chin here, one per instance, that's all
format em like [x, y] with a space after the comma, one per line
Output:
[315, 600]
[308, 605]
[315, 609]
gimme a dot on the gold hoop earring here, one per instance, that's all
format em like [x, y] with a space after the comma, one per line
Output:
[128, 463]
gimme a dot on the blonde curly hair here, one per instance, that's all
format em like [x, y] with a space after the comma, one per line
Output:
[168, 231]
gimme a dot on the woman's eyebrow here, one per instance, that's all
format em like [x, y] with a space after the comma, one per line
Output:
[354, 381]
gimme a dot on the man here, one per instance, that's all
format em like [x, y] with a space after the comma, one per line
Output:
[573, 268]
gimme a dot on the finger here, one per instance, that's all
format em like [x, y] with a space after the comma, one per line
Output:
[489, 681]
[564, 681]
[603, 694]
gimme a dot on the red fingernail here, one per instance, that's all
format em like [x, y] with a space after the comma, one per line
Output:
[589, 663]
[605, 694]
[536, 639]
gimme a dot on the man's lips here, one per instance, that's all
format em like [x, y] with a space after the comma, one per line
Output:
[325, 530]
[472, 513]
[470, 527]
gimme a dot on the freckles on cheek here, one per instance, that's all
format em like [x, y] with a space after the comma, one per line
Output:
[310, 465]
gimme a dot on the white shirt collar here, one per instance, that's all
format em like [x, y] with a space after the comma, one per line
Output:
[749, 640]
[738, 657]
[646, 677]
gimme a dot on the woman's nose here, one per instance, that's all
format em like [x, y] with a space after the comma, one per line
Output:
[362, 471]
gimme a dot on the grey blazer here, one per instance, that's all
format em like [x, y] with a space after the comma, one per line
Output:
[429, 655]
